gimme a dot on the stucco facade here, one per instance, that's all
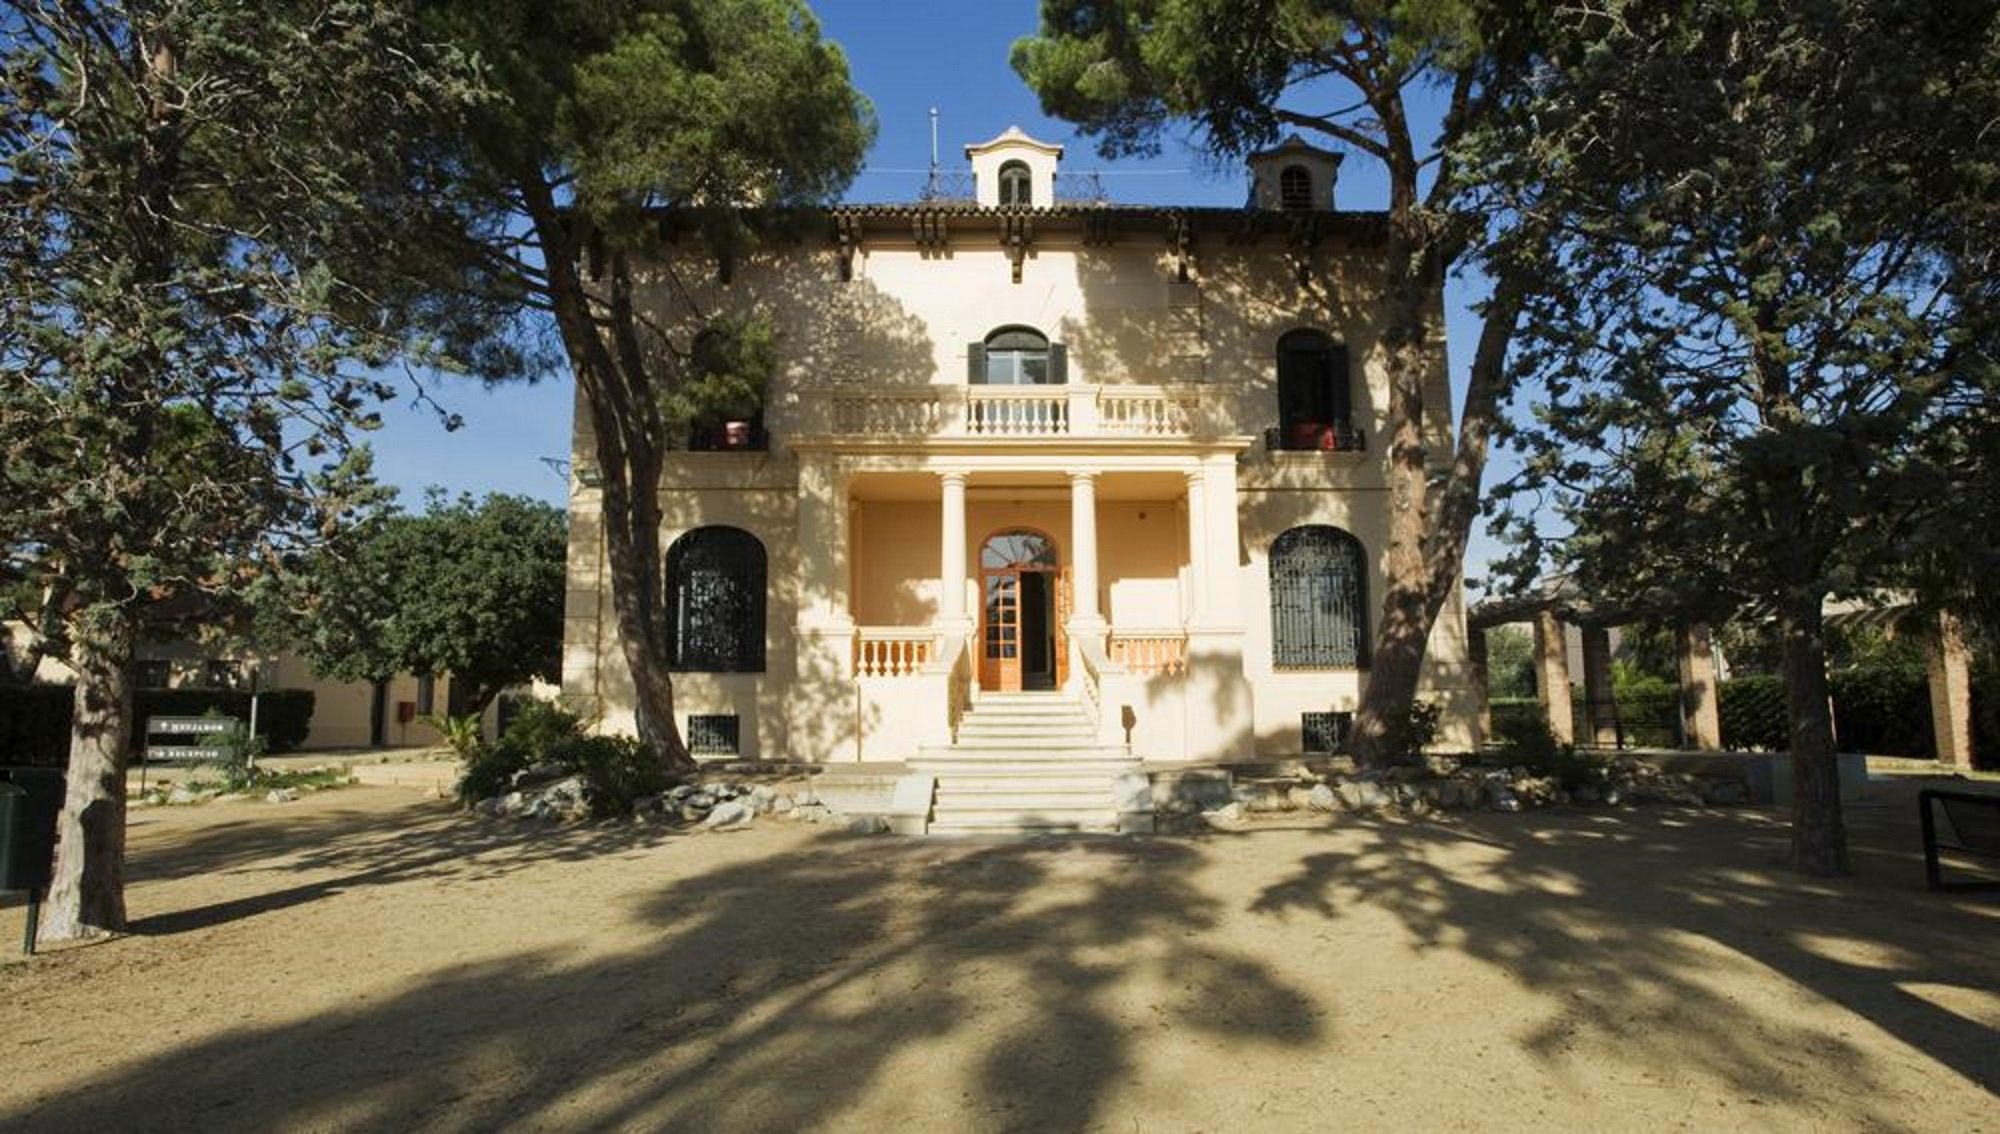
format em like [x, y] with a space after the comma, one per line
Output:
[1155, 476]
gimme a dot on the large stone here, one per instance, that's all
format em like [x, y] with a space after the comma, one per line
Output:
[729, 815]
[1322, 798]
[783, 804]
[1362, 795]
[182, 795]
[759, 799]
[868, 825]
[280, 795]
[1586, 794]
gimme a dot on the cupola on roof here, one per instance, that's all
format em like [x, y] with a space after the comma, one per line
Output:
[1014, 170]
[1294, 174]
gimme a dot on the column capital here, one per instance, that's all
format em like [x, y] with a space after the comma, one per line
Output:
[1083, 476]
[954, 476]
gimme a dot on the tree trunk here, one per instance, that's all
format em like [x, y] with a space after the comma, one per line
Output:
[1427, 543]
[87, 891]
[620, 402]
[1819, 834]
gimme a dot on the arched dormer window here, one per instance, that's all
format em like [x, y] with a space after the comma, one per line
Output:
[1315, 406]
[1017, 356]
[1295, 188]
[1016, 185]
[1317, 595]
[715, 601]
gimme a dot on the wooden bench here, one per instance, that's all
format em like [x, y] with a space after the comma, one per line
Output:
[1975, 824]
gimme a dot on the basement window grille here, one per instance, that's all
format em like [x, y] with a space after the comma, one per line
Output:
[713, 734]
[1325, 732]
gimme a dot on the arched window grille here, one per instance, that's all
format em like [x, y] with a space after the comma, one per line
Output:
[1315, 407]
[715, 601]
[1016, 184]
[1295, 187]
[1317, 594]
[1017, 356]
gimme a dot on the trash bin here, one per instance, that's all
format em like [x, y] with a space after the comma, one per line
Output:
[30, 799]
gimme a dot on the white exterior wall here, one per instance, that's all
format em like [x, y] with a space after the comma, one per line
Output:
[851, 522]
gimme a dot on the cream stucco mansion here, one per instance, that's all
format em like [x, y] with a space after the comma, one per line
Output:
[1036, 476]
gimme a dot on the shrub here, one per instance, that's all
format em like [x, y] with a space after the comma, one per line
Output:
[617, 771]
[34, 719]
[284, 716]
[34, 724]
[1527, 741]
[1884, 709]
[461, 734]
[1754, 714]
[1411, 733]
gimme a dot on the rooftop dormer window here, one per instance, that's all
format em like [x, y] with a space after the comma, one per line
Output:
[1295, 188]
[1016, 185]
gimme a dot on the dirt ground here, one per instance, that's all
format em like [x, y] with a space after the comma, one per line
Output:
[368, 959]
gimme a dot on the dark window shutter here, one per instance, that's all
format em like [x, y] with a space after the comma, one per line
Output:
[1341, 386]
[975, 363]
[1058, 364]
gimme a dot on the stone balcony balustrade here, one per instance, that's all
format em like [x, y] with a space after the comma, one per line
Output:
[1118, 412]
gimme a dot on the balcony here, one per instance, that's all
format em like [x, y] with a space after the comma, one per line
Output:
[1015, 412]
[1315, 437]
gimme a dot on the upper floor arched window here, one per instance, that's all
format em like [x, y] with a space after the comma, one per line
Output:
[1016, 184]
[715, 601]
[1295, 187]
[1315, 406]
[1017, 356]
[1317, 591]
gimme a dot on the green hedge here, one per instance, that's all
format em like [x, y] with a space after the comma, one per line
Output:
[34, 725]
[34, 719]
[1754, 716]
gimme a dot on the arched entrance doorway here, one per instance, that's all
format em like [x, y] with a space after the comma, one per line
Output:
[1024, 601]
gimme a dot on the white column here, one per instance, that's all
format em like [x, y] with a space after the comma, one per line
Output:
[951, 550]
[1197, 520]
[1083, 547]
[1225, 601]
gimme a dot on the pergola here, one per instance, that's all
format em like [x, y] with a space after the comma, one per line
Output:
[1549, 607]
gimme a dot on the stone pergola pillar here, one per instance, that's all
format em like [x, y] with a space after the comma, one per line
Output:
[1552, 676]
[1948, 662]
[1083, 549]
[1701, 698]
[951, 551]
[1477, 680]
[1600, 702]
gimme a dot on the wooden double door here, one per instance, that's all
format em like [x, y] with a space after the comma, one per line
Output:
[1024, 603]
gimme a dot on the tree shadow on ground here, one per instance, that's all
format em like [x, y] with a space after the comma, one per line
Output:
[823, 971]
[1634, 920]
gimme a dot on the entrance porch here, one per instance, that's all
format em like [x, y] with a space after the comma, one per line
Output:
[1109, 590]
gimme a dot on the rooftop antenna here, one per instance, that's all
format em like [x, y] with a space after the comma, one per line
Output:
[931, 187]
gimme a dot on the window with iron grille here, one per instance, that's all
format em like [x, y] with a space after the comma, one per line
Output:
[715, 600]
[152, 673]
[1316, 599]
[1324, 733]
[1295, 188]
[714, 734]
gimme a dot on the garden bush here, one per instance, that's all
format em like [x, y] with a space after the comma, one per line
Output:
[1883, 709]
[1754, 716]
[34, 719]
[1527, 741]
[616, 770]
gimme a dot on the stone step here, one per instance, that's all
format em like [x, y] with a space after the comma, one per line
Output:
[1028, 715]
[1051, 780]
[1020, 822]
[982, 751]
[968, 730]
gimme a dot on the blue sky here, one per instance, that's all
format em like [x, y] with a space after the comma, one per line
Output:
[907, 58]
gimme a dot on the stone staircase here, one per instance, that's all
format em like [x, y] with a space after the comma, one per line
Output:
[1025, 762]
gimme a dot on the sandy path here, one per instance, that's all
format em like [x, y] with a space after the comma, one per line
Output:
[367, 960]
